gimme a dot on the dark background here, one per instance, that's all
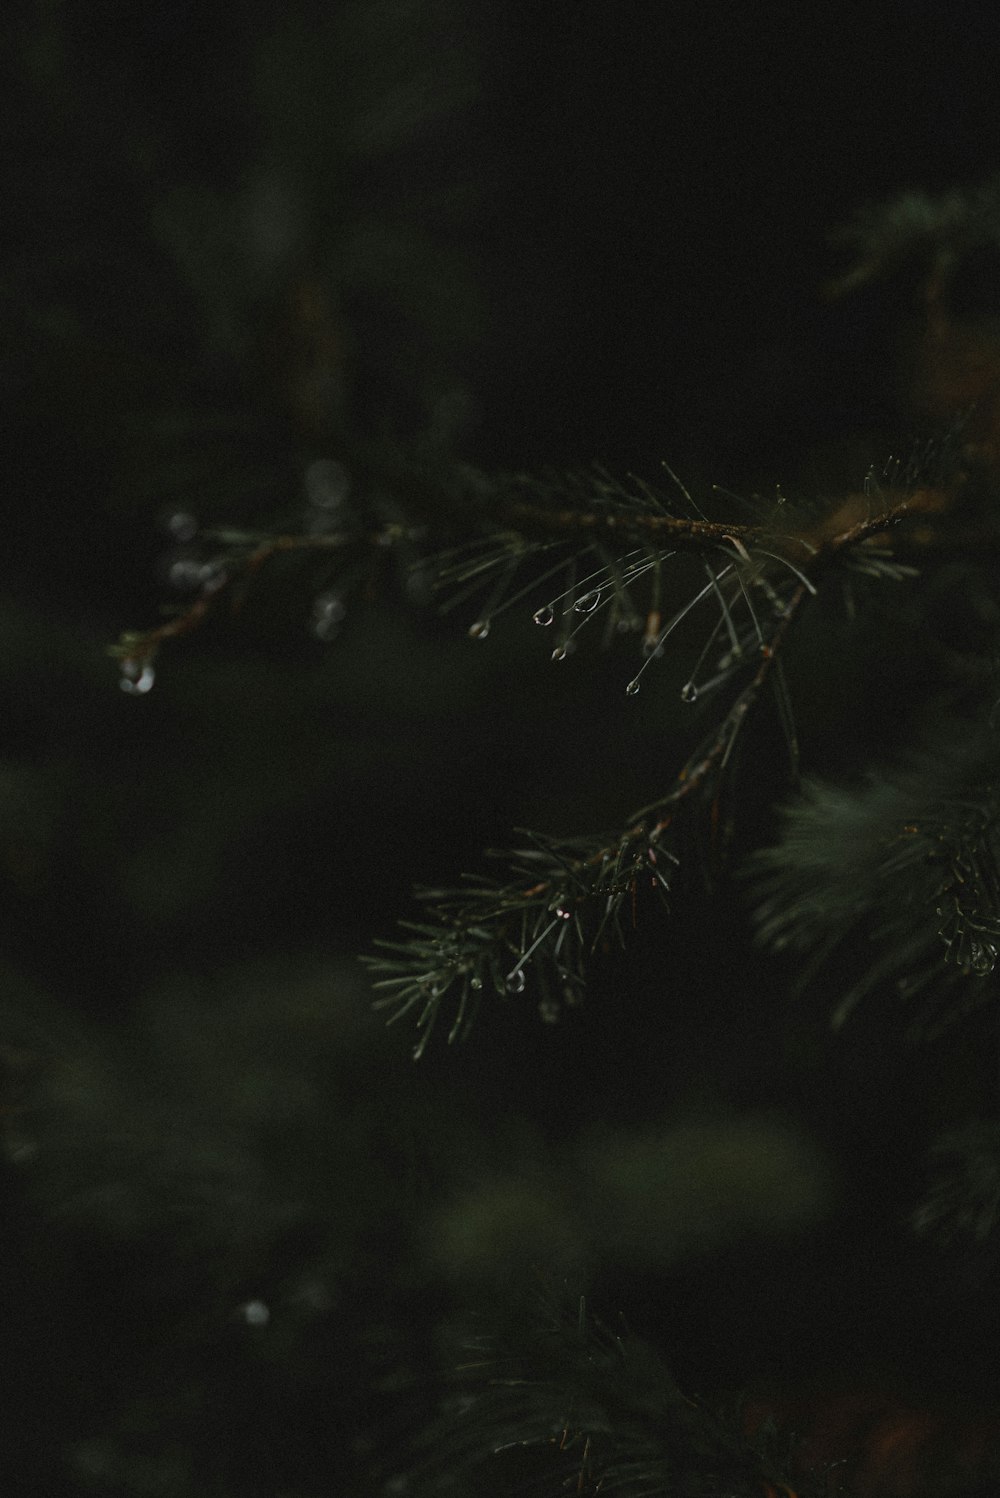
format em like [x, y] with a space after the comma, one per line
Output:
[544, 239]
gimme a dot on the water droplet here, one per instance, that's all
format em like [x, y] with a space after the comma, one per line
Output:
[255, 1313]
[327, 613]
[766, 652]
[562, 651]
[182, 570]
[327, 484]
[633, 687]
[180, 524]
[329, 606]
[548, 1009]
[479, 630]
[516, 981]
[558, 909]
[588, 603]
[419, 584]
[137, 677]
[476, 983]
[689, 692]
[982, 958]
[544, 616]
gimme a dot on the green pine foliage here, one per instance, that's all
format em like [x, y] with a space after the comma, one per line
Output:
[655, 816]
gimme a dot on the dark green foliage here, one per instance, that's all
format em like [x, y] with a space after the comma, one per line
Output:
[289, 309]
[556, 1400]
[902, 871]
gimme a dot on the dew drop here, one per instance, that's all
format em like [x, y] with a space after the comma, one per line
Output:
[180, 524]
[329, 606]
[327, 613]
[544, 616]
[183, 571]
[982, 958]
[633, 687]
[689, 692]
[516, 981]
[255, 1313]
[766, 651]
[562, 651]
[479, 630]
[588, 603]
[476, 983]
[548, 1009]
[327, 484]
[137, 677]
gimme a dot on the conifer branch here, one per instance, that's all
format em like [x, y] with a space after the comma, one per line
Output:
[568, 1405]
[606, 546]
[911, 865]
[229, 575]
[564, 900]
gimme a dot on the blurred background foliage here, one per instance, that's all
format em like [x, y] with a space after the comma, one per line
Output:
[238, 1221]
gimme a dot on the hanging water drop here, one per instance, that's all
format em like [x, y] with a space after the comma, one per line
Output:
[544, 616]
[479, 630]
[137, 677]
[180, 524]
[255, 1312]
[516, 980]
[328, 611]
[588, 603]
[327, 484]
[633, 686]
[183, 570]
[982, 958]
[689, 692]
[562, 651]
[476, 983]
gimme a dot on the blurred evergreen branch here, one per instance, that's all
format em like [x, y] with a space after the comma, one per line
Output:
[564, 899]
[557, 1402]
[903, 871]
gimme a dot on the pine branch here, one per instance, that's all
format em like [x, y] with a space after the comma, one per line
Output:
[627, 531]
[571, 1406]
[607, 545]
[908, 866]
[563, 900]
